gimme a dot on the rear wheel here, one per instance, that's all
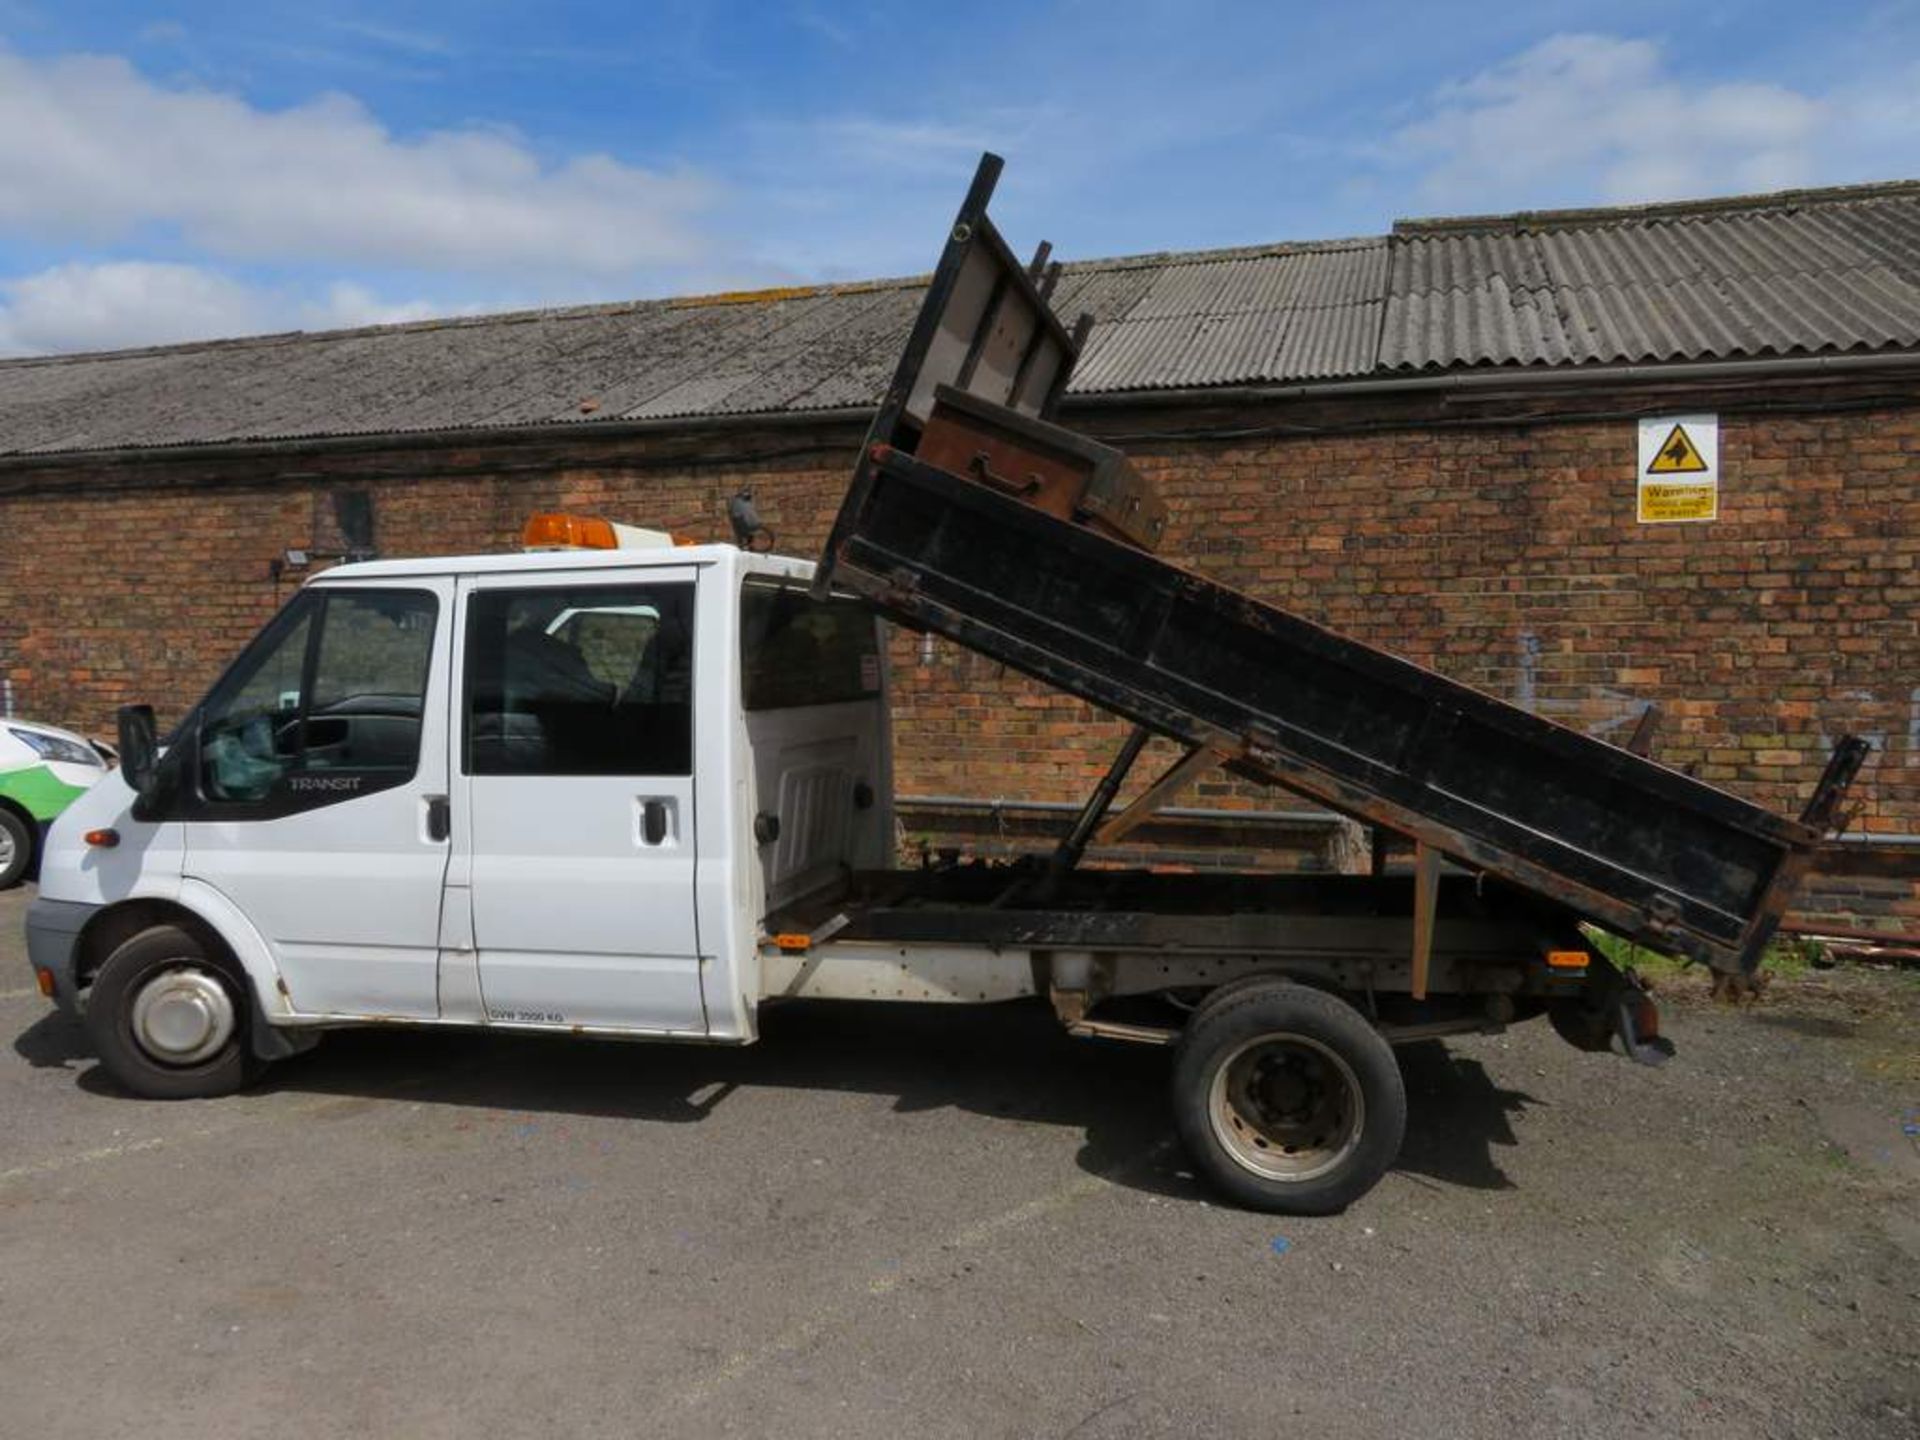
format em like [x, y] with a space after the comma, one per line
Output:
[16, 848]
[170, 1022]
[1288, 1099]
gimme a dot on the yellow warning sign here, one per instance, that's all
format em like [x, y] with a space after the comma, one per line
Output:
[1678, 455]
[1684, 500]
[1679, 468]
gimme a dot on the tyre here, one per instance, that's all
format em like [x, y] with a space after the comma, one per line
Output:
[16, 849]
[1288, 1099]
[168, 1021]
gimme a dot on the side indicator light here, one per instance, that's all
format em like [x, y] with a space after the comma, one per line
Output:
[1568, 959]
[102, 839]
[44, 979]
[793, 943]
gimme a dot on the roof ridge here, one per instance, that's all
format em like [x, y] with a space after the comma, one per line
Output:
[1522, 221]
[1224, 254]
[532, 315]
[767, 295]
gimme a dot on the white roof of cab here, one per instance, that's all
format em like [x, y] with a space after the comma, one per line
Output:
[546, 562]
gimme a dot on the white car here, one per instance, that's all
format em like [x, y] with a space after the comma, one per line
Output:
[42, 771]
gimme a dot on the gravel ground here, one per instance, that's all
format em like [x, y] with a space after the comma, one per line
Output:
[907, 1222]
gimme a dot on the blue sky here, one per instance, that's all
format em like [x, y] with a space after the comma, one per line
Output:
[177, 171]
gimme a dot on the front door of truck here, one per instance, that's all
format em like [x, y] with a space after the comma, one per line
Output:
[577, 827]
[315, 795]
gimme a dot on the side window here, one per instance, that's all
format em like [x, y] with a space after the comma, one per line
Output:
[581, 680]
[336, 684]
[795, 650]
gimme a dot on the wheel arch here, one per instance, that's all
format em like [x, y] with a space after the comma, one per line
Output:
[1280, 974]
[204, 914]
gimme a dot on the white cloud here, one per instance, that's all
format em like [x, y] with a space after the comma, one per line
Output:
[122, 303]
[348, 304]
[91, 149]
[1594, 117]
[125, 303]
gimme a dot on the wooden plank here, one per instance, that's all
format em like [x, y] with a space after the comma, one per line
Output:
[1182, 773]
[1426, 893]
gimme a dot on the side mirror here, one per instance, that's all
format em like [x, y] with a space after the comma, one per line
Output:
[139, 749]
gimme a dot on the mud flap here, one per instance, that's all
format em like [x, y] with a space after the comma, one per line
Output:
[1614, 1005]
[1636, 1020]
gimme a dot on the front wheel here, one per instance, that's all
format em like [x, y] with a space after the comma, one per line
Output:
[1288, 1099]
[168, 1021]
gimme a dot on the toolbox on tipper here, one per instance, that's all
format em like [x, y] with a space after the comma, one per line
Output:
[952, 526]
[1047, 466]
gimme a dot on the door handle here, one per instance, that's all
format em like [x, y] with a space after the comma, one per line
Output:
[439, 818]
[653, 822]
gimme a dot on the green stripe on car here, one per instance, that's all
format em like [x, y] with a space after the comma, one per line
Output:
[38, 791]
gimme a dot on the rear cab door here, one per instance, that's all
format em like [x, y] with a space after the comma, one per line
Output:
[574, 825]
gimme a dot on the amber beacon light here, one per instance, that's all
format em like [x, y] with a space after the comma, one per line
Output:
[557, 530]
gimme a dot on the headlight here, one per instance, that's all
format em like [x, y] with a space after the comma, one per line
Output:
[52, 747]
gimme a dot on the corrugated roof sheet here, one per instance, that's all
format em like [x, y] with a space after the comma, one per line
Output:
[1809, 271]
[1296, 314]
[1812, 272]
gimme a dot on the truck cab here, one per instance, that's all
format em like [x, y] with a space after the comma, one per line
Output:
[548, 791]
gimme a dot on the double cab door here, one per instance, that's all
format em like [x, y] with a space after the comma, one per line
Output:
[466, 799]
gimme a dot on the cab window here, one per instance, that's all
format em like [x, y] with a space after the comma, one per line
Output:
[335, 685]
[580, 680]
[796, 650]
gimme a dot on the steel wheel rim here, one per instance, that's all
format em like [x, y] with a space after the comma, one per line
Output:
[1285, 1107]
[182, 1016]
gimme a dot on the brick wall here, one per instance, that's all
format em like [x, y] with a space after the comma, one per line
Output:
[1503, 554]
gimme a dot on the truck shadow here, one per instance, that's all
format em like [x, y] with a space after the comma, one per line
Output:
[1010, 1061]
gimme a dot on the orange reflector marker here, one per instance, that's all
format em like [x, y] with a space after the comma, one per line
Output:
[792, 942]
[45, 980]
[102, 839]
[1568, 959]
[554, 530]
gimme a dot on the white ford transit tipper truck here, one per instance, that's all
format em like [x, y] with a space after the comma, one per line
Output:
[644, 792]
[640, 792]
[634, 789]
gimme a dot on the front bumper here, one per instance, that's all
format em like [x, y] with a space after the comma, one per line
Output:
[53, 937]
